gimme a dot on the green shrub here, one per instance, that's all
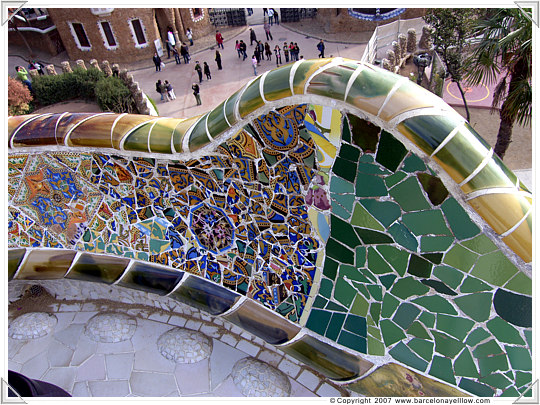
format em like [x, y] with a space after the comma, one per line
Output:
[113, 95]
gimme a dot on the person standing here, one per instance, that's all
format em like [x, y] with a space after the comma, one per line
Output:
[271, 16]
[252, 37]
[286, 52]
[170, 90]
[267, 51]
[218, 60]
[176, 55]
[292, 50]
[22, 74]
[158, 89]
[276, 16]
[320, 47]
[198, 69]
[184, 51]
[207, 71]
[267, 31]
[35, 65]
[219, 39]
[296, 50]
[164, 93]
[254, 64]
[171, 42]
[257, 54]
[189, 36]
[277, 51]
[243, 48]
[157, 62]
[237, 47]
[195, 88]
[260, 47]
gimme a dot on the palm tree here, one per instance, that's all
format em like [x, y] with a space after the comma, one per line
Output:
[504, 54]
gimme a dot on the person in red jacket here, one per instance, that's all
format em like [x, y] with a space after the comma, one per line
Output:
[219, 39]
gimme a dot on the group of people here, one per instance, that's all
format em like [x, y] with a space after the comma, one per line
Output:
[166, 90]
[273, 15]
[172, 47]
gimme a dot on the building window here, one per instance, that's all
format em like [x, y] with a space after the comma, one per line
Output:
[197, 14]
[79, 34]
[107, 34]
[137, 30]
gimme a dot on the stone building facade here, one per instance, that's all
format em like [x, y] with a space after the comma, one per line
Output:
[123, 35]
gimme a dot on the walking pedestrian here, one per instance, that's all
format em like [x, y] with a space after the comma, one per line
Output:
[260, 48]
[164, 93]
[276, 16]
[207, 71]
[219, 39]
[184, 51]
[198, 69]
[176, 55]
[277, 51]
[286, 52]
[34, 65]
[158, 89]
[291, 49]
[320, 47]
[189, 36]
[237, 47]
[267, 51]
[271, 16]
[257, 54]
[267, 31]
[243, 48]
[157, 62]
[218, 60]
[265, 11]
[171, 41]
[170, 90]
[252, 37]
[195, 88]
[254, 64]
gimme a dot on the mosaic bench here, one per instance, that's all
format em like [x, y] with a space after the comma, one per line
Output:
[329, 207]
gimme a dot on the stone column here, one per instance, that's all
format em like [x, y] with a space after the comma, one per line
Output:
[66, 68]
[33, 72]
[106, 68]
[52, 71]
[386, 64]
[411, 41]
[426, 40]
[80, 64]
[397, 51]
[94, 64]
[391, 57]
[402, 39]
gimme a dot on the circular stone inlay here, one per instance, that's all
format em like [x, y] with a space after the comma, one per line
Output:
[184, 345]
[32, 325]
[255, 378]
[110, 327]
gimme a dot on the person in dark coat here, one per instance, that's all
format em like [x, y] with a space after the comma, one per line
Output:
[176, 55]
[243, 48]
[195, 88]
[198, 69]
[252, 36]
[286, 52]
[218, 60]
[207, 71]
[157, 62]
[260, 48]
[267, 51]
[184, 51]
[320, 47]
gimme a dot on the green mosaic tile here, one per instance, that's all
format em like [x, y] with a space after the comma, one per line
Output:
[520, 283]
[352, 341]
[419, 266]
[523, 378]
[339, 252]
[361, 256]
[446, 345]
[318, 321]
[319, 302]
[332, 306]
[394, 179]
[335, 325]
[362, 290]
[362, 218]
[340, 211]
[402, 353]
[326, 288]
[345, 200]
[441, 367]
[369, 237]
[370, 186]
[360, 306]
[346, 131]
[475, 388]
[513, 308]
[370, 168]
[439, 287]
[376, 263]
[387, 280]
[374, 331]
[458, 219]
[448, 275]
[434, 188]
[409, 195]
[490, 358]
[364, 133]
[405, 315]
[477, 305]
[504, 332]
[476, 336]
[435, 243]
[413, 164]
[352, 273]
[407, 287]
[429, 222]
[428, 319]
[519, 357]
[345, 169]
[344, 292]
[455, 326]
[343, 232]
[338, 185]
[389, 305]
[370, 159]
[349, 152]
[422, 347]
[460, 258]
[510, 392]
[435, 303]
[397, 258]
[464, 365]
[434, 258]
[403, 236]
[471, 284]
[480, 244]
[356, 324]
[496, 380]
[375, 347]
[528, 337]
[510, 375]
[390, 151]
[375, 311]
[494, 268]
[375, 292]
[330, 268]
[416, 329]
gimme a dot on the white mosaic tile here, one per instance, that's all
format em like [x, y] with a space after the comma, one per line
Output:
[72, 307]
[147, 331]
[64, 377]
[64, 320]
[193, 378]
[227, 388]
[85, 348]
[195, 325]
[119, 366]
[80, 389]
[248, 348]
[326, 390]
[70, 335]
[289, 368]
[255, 378]
[298, 390]
[32, 325]
[14, 346]
[270, 357]
[91, 369]
[210, 330]
[184, 345]
[308, 379]
[151, 384]
[36, 366]
[84, 317]
[14, 366]
[109, 388]
[59, 355]
[149, 359]
[222, 361]
[110, 327]
[229, 339]
[159, 316]
[125, 346]
[177, 321]
[32, 348]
